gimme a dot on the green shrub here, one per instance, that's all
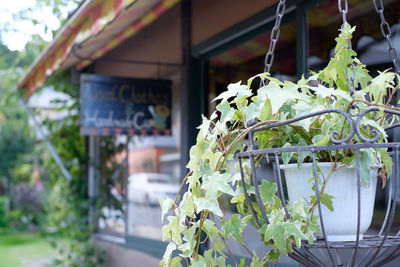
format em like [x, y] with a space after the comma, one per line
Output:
[4, 211]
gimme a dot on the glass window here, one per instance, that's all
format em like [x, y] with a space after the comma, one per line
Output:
[129, 193]
[131, 184]
[247, 60]
[111, 173]
[153, 173]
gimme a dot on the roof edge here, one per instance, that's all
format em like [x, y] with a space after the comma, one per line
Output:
[80, 9]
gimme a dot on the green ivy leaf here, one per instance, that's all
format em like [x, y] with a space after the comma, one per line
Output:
[262, 76]
[267, 191]
[276, 204]
[210, 228]
[298, 208]
[252, 111]
[294, 229]
[188, 247]
[234, 89]
[345, 35]
[166, 205]
[212, 261]
[187, 204]
[303, 108]
[379, 84]
[274, 254]
[324, 141]
[325, 92]
[227, 112]
[276, 232]
[213, 158]
[286, 156]
[260, 108]
[326, 200]
[362, 75]
[349, 160]
[176, 262]
[219, 247]
[386, 160]
[167, 254]
[208, 204]
[234, 226]
[368, 160]
[301, 155]
[266, 111]
[278, 95]
[376, 126]
[199, 262]
[204, 128]
[256, 262]
[196, 153]
[217, 182]
[173, 230]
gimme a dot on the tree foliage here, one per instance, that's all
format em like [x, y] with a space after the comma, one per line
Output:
[59, 10]
[67, 203]
[16, 135]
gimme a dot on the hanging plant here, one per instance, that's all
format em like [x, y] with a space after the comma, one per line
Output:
[225, 132]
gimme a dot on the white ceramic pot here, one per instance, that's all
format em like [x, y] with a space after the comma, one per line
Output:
[341, 224]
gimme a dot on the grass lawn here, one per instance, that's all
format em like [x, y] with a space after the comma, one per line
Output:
[18, 249]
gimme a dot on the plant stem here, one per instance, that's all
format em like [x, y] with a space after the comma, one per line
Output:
[324, 184]
[180, 189]
[375, 104]
[203, 216]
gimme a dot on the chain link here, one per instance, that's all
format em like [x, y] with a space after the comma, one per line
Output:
[351, 80]
[344, 10]
[379, 8]
[275, 32]
[387, 34]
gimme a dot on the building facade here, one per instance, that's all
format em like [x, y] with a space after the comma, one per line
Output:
[200, 46]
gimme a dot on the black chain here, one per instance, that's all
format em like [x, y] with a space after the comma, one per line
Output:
[344, 10]
[350, 79]
[269, 57]
[387, 33]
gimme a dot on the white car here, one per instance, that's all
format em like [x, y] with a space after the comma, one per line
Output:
[147, 188]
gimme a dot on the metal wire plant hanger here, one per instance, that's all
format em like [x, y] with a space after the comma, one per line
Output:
[371, 250]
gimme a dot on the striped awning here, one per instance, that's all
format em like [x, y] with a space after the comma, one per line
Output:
[96, 27]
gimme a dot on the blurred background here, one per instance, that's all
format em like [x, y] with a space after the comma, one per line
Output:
[89, 197]
[42, 215]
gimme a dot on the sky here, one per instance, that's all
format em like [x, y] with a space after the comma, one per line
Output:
[16, 40]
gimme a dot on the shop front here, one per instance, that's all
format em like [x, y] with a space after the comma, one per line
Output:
[196, 48]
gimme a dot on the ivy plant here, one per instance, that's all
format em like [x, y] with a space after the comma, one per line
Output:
[212, 176]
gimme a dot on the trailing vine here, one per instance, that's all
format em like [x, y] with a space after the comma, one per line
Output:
[212, 174]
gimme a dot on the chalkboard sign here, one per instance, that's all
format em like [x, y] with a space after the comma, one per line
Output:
[120, 106]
